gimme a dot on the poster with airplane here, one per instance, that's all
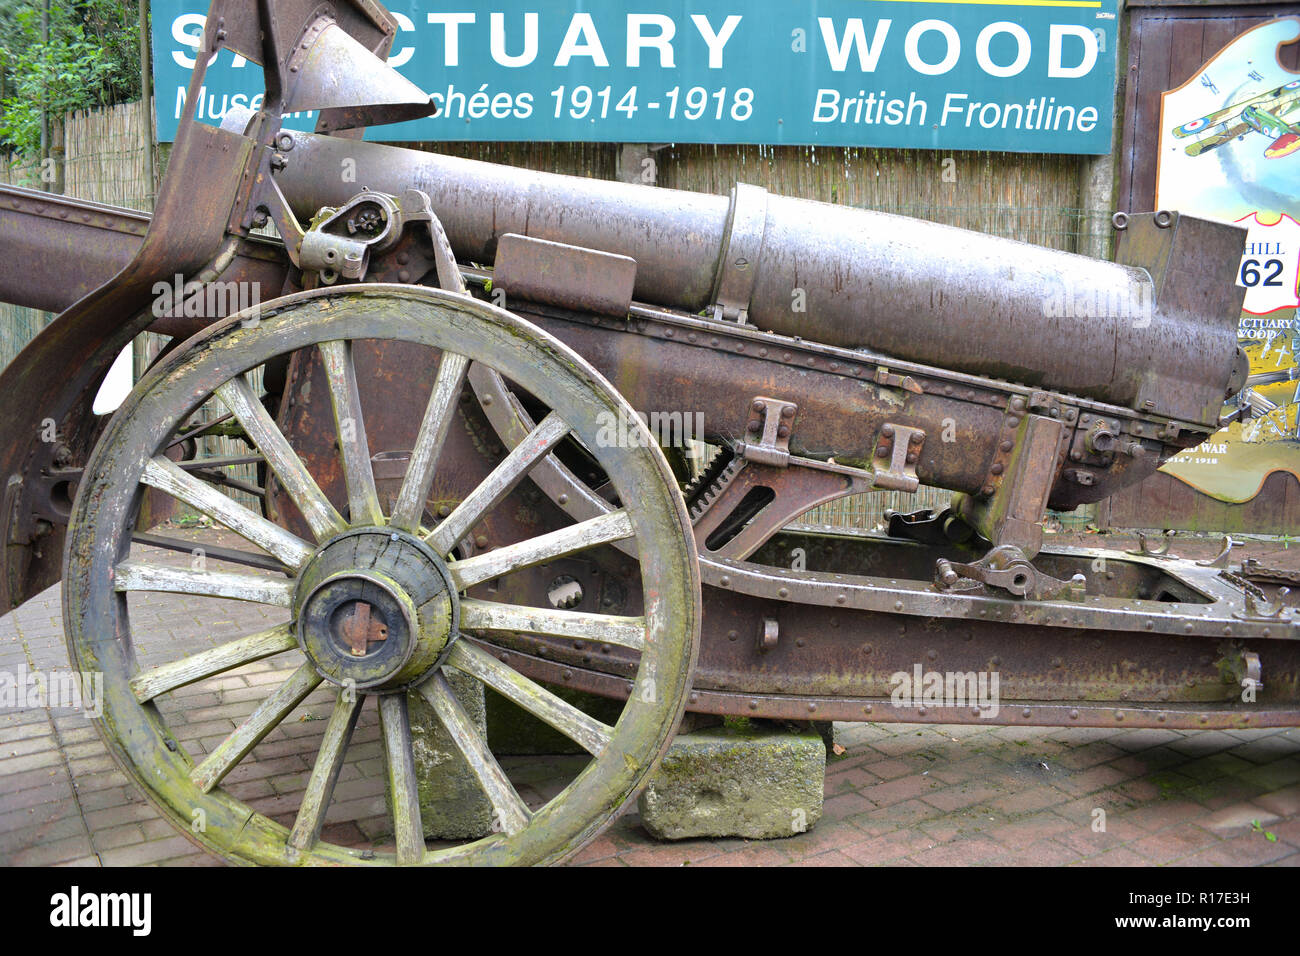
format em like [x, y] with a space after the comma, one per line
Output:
[1263, 113]
[1230, 150]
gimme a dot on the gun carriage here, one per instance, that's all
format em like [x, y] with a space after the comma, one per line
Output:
[448, 369]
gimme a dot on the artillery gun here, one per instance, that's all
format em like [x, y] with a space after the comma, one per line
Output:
[441, 393]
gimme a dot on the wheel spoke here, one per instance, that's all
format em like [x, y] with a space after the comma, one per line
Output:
[603, 628]
[261, 722]
[217, 477]
[395, 718]
[497, 485]
[510, 811]
[324, 520]
[163, 474]
[198, 430]
[589, 733]
[409, 507]
[363, 499]
[613, 526]
[217, 462]
[149, 684]
[249, 559]
[325, 773]
[129, 576]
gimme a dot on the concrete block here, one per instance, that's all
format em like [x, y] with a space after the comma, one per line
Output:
[452, 805]
[512, 731]
[739, 780]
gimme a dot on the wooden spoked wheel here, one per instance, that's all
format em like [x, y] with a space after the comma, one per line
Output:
[376, 602]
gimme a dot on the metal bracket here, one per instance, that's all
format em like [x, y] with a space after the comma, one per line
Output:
[274, 205]
[1240, 667]
[764, 487]
[1259, 609]
[753, 501]
[361, 629]
[1048, 404]
[902, 446]
[340, 242]
[1220, 560]
[1147, 550]
[1254, 669]
[767, 436]
[1008, 569]
[890, 379]
[1031, 451]
[741, 246]
[556, 273]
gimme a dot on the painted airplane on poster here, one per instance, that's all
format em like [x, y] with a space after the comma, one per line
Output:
[1264, 113]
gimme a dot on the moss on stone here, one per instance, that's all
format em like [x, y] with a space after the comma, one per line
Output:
[512, 731]
[740, 780]
[453, 805]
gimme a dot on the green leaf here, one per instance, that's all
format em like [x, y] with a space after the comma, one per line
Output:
[91, 58]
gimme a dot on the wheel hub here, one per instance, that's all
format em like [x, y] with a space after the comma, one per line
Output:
[376, 609]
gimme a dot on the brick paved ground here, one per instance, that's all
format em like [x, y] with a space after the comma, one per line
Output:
[900, 794]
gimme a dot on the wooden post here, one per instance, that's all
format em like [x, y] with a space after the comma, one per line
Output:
[58, 155]
[636, 164]
[140, 349]
[146, 102]
[1097, 198]
[45, 102]
[1097, 174]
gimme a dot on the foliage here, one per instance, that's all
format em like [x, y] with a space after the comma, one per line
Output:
[91, 58]
[115, 26]
[1257, 827]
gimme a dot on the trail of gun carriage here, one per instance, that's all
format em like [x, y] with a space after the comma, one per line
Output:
[442, 473]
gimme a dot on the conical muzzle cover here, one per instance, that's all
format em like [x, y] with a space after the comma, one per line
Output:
[336, 73]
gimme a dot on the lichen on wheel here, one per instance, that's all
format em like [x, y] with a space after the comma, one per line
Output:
[377, 603]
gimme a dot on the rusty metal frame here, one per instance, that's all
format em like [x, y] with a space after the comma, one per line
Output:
[836, 369]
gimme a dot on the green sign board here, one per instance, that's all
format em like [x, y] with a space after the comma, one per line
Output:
[1019, 76]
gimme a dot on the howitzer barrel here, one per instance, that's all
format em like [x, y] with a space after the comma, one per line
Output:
[916, 290]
